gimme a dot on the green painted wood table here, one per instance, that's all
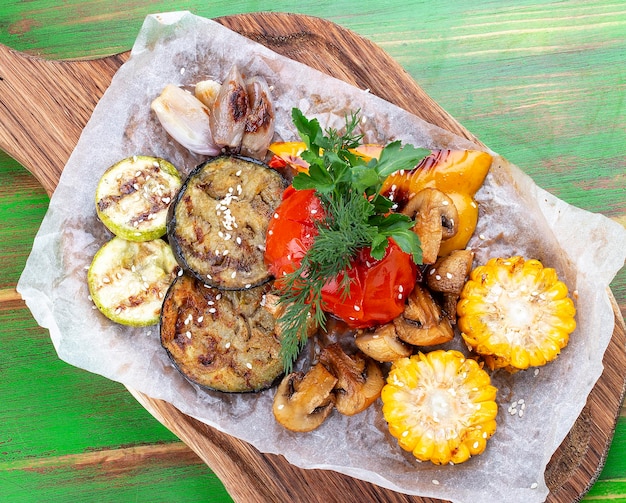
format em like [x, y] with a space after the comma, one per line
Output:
[542, 83]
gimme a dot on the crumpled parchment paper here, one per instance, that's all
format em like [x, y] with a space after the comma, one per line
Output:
[517, 217]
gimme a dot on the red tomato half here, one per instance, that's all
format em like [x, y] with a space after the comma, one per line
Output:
[378, 288]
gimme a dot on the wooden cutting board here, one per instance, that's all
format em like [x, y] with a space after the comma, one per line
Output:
[46, 104]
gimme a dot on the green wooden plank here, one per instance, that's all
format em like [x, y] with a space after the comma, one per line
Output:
[22, 206]
[152, 482]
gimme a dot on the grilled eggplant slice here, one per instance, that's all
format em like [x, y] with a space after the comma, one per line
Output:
[218, 222]
[133, 197]
[221, 340]
[128, 280]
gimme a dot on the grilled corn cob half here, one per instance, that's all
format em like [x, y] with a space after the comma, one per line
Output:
[516, 313]
[440, 406]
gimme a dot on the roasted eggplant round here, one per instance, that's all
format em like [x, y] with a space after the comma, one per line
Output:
[221, 340]
[217, 225]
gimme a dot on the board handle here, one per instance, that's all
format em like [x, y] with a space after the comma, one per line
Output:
[44, 106]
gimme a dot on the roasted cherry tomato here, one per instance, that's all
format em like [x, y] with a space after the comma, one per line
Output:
[378, 288]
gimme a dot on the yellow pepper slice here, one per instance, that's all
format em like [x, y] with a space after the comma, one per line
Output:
[457, 173]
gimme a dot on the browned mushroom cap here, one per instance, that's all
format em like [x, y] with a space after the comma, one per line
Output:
[448, 275]
[382, 343]
[359, 379]
[436, 219]
[303, 401]
[422, 323]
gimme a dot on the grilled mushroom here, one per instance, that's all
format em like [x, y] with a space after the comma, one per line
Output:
[382, 343]
[303, 401]
[422, 323]
[436, 218]
[448, 276]
[359, 379]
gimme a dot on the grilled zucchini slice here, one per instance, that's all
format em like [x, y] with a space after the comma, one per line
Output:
[218, 222]
[128, 280]
[221, 340]
[133, 197]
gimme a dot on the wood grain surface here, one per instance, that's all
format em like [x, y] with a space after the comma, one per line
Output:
[64, 94]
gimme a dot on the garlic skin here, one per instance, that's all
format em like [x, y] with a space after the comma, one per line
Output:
[186, 119]
[230, 110]
[259, 129]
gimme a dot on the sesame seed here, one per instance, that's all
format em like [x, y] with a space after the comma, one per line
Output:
[400, 296]
[437, 277]
[234, 273]
[275, 215]
[448, 275]
[436, 482]
[182, 70]
[238, 240]
[188, 334]
[135, 186]
[482, 236]
[281, 406]
[248, 285]
[227, 345]
[536, 372]
[200, 319]
[405, 433]
[475, 445]
[400, 288]
[445, 203]
[212, 310]
[534, 485]
[432, 271]
[180, 272]
[249, 365]
[357, 308]
[106, 280]
[238, 173]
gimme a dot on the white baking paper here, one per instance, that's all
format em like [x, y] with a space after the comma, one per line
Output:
[517, 217]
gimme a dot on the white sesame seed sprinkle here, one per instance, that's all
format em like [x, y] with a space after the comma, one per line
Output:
[534, 485]
[449, 275]
[436, 482]
[212, 310]
[249, 365]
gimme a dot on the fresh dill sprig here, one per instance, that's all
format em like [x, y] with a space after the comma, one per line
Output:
[356, 216]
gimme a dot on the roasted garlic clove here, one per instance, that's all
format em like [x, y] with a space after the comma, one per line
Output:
[206, 91]
[382, 343]
[359, 379]
[230, 111]
[436, 218]
[423, 323]
[303, 401]
[259, 129]
[185, 119]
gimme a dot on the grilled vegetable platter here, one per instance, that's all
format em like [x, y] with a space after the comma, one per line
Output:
[311, 269]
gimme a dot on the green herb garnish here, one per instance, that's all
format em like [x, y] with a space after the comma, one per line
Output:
[356, 216]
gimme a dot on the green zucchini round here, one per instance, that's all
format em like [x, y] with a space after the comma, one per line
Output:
[133, 197]
[218, 222]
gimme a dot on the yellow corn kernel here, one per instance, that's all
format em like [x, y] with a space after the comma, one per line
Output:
[440, 406]
[516, 313]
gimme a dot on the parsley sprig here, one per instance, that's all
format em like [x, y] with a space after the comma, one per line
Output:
[356, 216]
